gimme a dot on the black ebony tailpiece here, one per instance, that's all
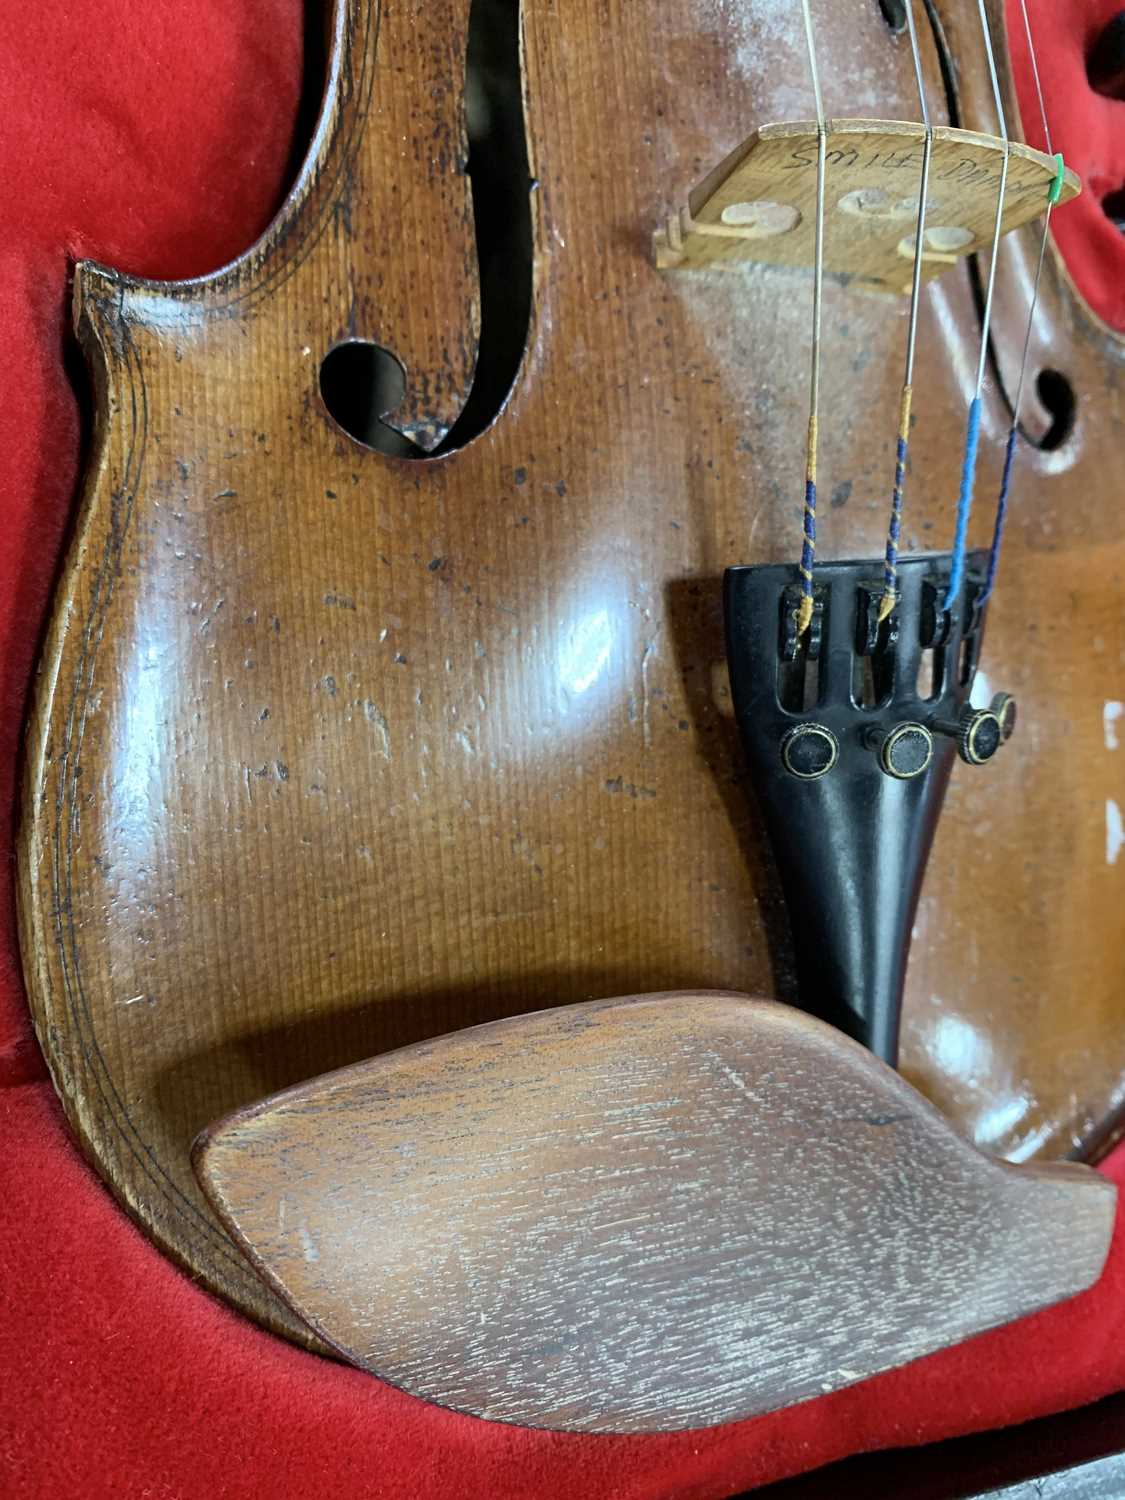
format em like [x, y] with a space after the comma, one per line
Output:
[850, 735]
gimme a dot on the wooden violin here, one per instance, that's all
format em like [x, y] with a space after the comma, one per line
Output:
[388, 689]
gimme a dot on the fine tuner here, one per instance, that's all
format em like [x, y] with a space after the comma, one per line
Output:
[904, 750]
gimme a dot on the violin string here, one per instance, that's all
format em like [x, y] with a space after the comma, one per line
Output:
[972, 434]
[894, 526]
[1013, 431]
[804, 611]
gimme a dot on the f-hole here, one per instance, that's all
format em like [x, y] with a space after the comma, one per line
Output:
[362, 382]
[1057, 395]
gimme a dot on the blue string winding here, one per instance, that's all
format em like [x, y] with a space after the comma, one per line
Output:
[964, 504]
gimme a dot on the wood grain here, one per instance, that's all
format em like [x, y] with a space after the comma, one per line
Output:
[332, 752]
[641, 1215]
[872, 208]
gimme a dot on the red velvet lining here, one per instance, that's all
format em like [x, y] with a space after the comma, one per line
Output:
[154, 138]
[1088, 129]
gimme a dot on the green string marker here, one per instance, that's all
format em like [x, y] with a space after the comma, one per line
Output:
[1060, 177]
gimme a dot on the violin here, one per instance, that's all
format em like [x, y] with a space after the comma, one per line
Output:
[390, 688]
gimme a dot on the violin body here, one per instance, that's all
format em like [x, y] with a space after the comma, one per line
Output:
[334, 750]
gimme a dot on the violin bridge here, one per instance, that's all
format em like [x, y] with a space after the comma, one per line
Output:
[759, 205]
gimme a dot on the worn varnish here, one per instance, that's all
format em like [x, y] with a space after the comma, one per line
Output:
[332, 752]
[641, 1215]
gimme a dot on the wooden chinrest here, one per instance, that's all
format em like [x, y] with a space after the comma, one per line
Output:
[636, 1215]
